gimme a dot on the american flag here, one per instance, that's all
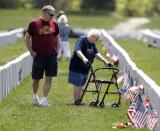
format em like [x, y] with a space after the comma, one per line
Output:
[132, 93]
[131, 112]
[138, 116]
[152, 120]
[140, 119]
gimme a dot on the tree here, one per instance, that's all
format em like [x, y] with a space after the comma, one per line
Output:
[134, 7]
[73, 5]
[10, 3]
[155, 6]
[41, 3]
[58, 4]
[109, 5]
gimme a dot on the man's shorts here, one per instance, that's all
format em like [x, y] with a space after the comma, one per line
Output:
[47, 64]
[77, 78]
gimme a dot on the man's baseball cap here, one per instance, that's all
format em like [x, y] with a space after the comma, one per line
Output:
[50, 8]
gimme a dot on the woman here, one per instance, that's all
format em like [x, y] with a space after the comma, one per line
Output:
[64, 37]
[84, 53]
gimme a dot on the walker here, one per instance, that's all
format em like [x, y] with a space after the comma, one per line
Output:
[98, 83]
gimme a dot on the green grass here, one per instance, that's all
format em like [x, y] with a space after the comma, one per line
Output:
[154, 23]
[16, 18]
[94, 21]
[12, 51]
[18, 113]
[146, 58]
[20, 18]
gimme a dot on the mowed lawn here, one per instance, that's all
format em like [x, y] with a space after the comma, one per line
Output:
[154, 23]
[146, 58]
[18, 113]
[10, 52]
[20, 18]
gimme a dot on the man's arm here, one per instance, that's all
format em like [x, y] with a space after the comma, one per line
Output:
[58, 42]
[29, 44]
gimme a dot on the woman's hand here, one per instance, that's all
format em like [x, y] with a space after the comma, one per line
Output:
[108, 64]
[85, 60]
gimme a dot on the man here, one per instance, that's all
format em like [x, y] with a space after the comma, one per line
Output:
[42, 41]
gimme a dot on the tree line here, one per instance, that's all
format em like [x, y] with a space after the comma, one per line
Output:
[126, 7]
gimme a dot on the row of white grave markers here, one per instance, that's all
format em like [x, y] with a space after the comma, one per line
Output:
[10, 37]
[150, 38]
[135, 75]
[13, 73]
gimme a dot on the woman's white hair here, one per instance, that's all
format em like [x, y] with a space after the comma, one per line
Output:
[94, 32]
[62, 19]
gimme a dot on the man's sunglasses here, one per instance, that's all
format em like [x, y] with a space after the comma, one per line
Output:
[50, 14]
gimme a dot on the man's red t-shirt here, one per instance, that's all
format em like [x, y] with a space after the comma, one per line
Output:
[44, 41]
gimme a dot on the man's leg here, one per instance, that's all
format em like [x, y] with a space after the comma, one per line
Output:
[35, 86]
[50, 71]
[46, 88]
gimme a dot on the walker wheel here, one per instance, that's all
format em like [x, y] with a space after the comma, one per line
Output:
[101, 104]
[93, 104]
[115, 105]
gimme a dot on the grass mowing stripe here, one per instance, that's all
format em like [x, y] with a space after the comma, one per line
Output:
[146, 58]
[12, 51]
[22, 17]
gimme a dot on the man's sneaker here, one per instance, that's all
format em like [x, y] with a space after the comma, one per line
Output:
[36, 101]
[44, 104]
